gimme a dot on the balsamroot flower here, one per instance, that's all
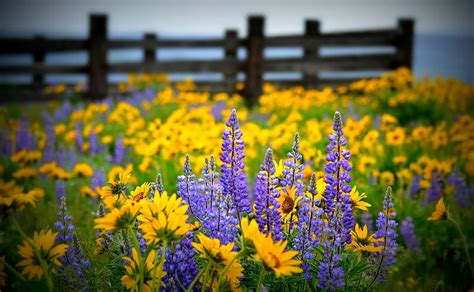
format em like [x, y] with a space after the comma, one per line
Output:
[83, 170]
[218, 256]
[362, 240]
[15, 198]
[440, 211]
[275, 257]
[164, 219]
[119, 218]
[149, 271]
[271, 254]
[233, 180]
[356, 200]
[386, 239]
[40, 249]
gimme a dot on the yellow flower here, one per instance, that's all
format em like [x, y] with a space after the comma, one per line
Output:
[356, 200]
[140, 192]
[219, 256]
[274, 257]
[133, 272]
[116, 188]
[26, 173]
[14, 198]
[279, 168]
[288, 203]
[401, 159]
[26, 156]
[43, 242]
[164, 218]
[387, 178]
[119, 218]
[440, 211]
[107, 139]
[395, 137]
[362, 241]
[86, 190]
[83, 170]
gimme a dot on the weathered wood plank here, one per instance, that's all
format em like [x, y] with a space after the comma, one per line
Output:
[224, 66]
[337, 63]
[29, 46]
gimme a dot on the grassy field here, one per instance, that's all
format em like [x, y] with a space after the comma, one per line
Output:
[102, 175]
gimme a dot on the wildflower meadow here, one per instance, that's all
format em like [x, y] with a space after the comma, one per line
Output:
[363, 187]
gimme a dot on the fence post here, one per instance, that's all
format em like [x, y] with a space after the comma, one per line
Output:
[38, 59]
[311, 51]
[230, 54]
[254, 64]
[97, 56]
[149, 53]
[405, 42]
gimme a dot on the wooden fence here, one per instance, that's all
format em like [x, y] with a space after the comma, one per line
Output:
[253, 66]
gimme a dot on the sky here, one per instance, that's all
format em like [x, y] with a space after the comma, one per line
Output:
[212, 17]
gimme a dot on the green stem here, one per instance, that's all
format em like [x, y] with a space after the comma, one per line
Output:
[14, 271]
[206, 277]
[136, 246]
[193, 283]
[260, 279]
[466, 249]
[40, 259]
[160, 267]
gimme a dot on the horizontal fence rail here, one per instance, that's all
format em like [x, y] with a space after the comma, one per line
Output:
[254, 65]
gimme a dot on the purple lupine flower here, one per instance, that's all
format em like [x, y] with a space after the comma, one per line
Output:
[74, 259]
[221, 222]
[233, 181]
[407, 229]
[119, 150]
[435, 191]
[72, 157]
[63, 225]
[63, 112]
[157, 186]
[337, 208]
[6, 144]
[79, 137]
[141, 242]
[293, 171]
[105, 238]
[189, 191]
[98, 179]
[310, 225]
[266, 205]
[367, 220]
[60, 190]
[24, 140]
[462, 193]
[386, 238]
[49, 148]
[93, 143]
[61, 156]
[180, 265]
[415, 186]
[338, 178]
[209, 183]
[293, 174]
